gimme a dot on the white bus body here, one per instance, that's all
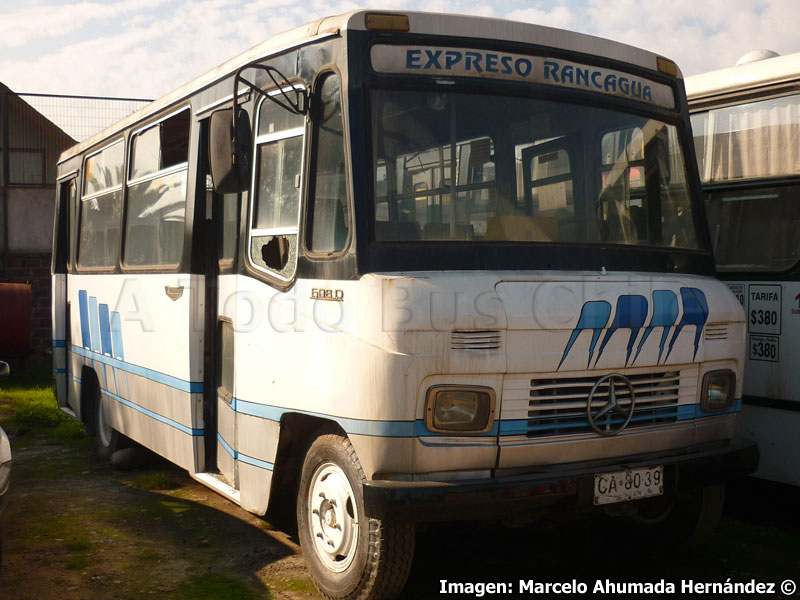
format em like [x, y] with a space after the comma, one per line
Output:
[467, 276]
[746, 122]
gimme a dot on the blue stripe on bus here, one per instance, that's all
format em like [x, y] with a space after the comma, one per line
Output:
[94, 324]
[695, 411]
[59, 371]
[83, 301]
[422, 430]
[154, 415]
[59, 343]
[105, 329]
[354, 426]
[250, 460]
[192, 387]
[226, 446]
[256, 462]
[509, 427]
[683, 412]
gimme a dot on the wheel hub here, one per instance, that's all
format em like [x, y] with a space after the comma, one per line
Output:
[334, 523]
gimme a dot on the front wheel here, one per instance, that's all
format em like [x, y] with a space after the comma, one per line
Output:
[687, 519]
[349, 555]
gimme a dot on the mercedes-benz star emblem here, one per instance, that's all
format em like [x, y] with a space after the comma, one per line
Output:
[613, 415]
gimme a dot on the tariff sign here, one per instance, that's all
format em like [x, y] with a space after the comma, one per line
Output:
[764, 347]
[764, 309]
[738, 291]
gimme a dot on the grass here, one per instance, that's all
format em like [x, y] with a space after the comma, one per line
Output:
[300, 585]
[77, 563]
[29, 406]
[155, 481]
[78, 544]
[212, 586]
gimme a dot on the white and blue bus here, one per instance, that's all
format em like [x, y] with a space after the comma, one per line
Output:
[402, 267]
[746, 122]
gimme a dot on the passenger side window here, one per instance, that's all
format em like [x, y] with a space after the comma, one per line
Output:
[276, 208]
[328, 219]
[156, 208]
[101, 208]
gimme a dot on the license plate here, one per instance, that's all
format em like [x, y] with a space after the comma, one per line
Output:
[632, 484]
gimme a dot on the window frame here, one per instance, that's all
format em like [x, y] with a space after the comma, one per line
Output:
[18, 184]
[82, 197]
[155, 268]
[273, 277]
[757, 186]
[312, 161]
[62, 252]
[72, 216]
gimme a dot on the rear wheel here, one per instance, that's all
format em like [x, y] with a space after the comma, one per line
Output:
[349, 555]
[107, 439]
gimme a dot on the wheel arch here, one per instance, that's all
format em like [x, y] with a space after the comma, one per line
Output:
[89, 396]
[297, 433]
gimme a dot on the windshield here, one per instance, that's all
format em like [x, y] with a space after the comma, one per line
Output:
[478, 168]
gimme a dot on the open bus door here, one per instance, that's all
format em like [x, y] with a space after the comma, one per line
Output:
[63, 225]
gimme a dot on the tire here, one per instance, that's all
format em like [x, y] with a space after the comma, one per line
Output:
[348, 554]
[688, 519]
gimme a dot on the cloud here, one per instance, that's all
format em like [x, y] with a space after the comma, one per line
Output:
[699, 36]
[31, 23]
[144, 48]
[559, 16]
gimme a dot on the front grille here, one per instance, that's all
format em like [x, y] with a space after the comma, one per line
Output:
[485, 339]
[558, 406]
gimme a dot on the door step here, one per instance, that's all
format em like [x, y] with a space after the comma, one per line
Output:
[219, 484]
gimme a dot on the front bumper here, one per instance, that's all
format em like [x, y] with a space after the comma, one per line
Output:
[563, 485]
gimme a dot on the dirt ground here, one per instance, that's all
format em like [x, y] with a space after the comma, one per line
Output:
[77, 529]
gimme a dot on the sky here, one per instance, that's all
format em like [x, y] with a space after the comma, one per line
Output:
[145, 48]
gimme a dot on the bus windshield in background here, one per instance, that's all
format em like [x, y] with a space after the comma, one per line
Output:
[479, 168]
[756, 227]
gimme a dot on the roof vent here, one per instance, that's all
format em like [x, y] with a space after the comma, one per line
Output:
[755, 56]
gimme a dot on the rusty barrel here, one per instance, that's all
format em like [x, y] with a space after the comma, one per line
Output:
[15, 320]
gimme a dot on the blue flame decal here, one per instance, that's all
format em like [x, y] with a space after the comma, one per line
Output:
[631, 314]
[594, 316]
[665, 313]
[695, 312]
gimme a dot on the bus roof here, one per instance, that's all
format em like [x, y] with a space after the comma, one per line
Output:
[419, 22]
[760, 74]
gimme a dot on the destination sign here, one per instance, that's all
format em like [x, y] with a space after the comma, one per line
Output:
[460, 62]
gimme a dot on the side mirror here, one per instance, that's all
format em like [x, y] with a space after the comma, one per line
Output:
[5, 371]
[230, 141]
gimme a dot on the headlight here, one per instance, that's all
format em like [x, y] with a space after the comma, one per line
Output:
[719, 390]
[461, 409]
